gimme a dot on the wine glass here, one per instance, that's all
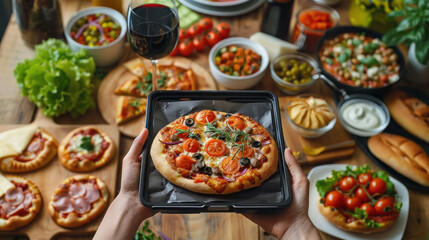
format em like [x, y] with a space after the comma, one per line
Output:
[153, 30]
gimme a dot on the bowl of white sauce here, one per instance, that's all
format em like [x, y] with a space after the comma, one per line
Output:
[363, 115]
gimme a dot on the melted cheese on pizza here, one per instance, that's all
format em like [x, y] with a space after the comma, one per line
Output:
[78, 145]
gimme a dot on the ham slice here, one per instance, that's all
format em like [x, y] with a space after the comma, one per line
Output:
[28, 199]
[81, 205]
[11, 210]
[35, 145]
[92, 192]
[14, 196]
[77, 190]
[62, 203]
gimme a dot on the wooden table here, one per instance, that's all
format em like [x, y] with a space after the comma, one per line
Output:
[14, 109]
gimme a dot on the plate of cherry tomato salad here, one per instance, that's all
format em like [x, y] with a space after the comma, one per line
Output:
[200, 35]
[237, 61]
[359, 60]
[358, 192]
[95, 30]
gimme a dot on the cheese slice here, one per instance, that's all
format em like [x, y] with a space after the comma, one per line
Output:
[17, 139]
[5, 185]
[6, 150]
[274, 46]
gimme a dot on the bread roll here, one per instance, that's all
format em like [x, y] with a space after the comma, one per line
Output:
[409, 112]
[401, 154]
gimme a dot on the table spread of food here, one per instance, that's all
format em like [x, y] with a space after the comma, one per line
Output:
[224, 87]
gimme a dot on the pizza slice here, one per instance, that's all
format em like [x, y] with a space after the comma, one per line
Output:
[134, 86]
[176, 78]
[128, 108]
[136, 67]
[26, 149]
[20, 204]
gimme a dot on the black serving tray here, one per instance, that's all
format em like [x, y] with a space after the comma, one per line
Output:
[164, 107]
[395, 128]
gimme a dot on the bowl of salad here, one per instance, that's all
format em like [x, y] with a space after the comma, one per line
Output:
[238, 63]
[356, 60]
[100, 31]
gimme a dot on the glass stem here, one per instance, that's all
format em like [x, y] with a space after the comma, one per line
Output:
[154, 75]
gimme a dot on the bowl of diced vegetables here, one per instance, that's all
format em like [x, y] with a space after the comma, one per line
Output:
[294, 72]
[238, 63]
[100, 31]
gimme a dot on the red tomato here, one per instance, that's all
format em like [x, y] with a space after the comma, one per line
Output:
[224, 29]
[347, 183]
[352, 203]
[364, 178]
[368, 209]
[185, 162]
[206, 23]
[230, 166]
[360, 193]
[175, 51]
[384, 205]
[205, 116]
[334, 199]
[191, 145]
[194, 30]
[213, 37]
[215, 147]
[186, 48]
[236, 123]
[180, 135]
[199, 43]
[183, 34]
[377, 185]
[246, 152]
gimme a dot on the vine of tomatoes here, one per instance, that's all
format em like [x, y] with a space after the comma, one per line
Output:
[200, 35]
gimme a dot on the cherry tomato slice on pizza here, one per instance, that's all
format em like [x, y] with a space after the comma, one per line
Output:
[236, 123]
[174, 130]
[248, 151]
[364, 178]
[215, 147]
[347, 183]
[185, 162]
[368, 209]
[191, 145]
[377, 185]
[205, 116]
[384, 205]
[352, 202]
[334, 199]
[230, 166]
[361, 194]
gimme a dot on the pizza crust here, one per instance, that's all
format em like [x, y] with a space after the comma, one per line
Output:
[16, 222]
[9, 164]
[73, 219]
[85, 165]
[339, 220]
[252, 178]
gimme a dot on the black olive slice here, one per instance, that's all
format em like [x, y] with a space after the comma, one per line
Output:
[244, 161]
[256, 144]
[189, 122]
[208, 170]
[228, 115]
[198, 156]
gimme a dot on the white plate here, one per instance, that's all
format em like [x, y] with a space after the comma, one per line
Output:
[229, 11]
[220, 4]
[394, 232]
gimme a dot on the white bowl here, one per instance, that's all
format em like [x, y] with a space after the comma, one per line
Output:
[105, 55]
[238, 82]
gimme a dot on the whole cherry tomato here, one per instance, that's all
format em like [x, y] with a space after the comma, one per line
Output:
[377, 185]
[206, 23]
[368, 209]
[334, 199]
[175, 51]
[347, 183]
[213, 37]
[183, 34]
[352, 202]
[364, 178]
[384, 205]
[361, 194]
[194, 30]
[199, 43]
[186, 48]
[224, 29]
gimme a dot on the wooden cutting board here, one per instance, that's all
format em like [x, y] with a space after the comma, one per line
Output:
[296, 142]
[107, 99]
[51, 175]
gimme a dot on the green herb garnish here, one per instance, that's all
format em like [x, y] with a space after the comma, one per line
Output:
[145, 233]
[86, 144]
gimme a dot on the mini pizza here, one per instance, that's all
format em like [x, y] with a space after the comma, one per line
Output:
[78, 201]
[85, 149]
[215, 152]
[359, 200]
[20, 204]
[128, 108]
[26, 149]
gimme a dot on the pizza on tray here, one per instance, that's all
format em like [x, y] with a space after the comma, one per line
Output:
[20, 202]
[214, 152]
[85, 149]
[78, 201]
[26, 149]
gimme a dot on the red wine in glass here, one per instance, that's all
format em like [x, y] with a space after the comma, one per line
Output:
[153, 31]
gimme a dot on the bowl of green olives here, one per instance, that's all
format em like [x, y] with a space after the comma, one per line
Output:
[294, 72]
